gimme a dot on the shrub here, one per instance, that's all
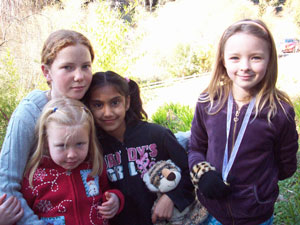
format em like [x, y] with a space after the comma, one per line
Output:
[176, 117]
[188, 60]
[287, 211]
[297, 112]
[111, 37]
[9, 91]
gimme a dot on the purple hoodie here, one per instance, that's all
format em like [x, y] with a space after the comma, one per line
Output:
[267, 154]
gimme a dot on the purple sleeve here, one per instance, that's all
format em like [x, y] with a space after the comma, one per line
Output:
[198, 141]
[287, 146]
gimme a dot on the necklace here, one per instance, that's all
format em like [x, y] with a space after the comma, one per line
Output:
[228, 164]
[242, 100]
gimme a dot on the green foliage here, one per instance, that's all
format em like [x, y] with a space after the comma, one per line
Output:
[297, 112]
[287, 211]
[176, 117]
[110, 35]
[9, 91]
[188, 60]
[293, 8]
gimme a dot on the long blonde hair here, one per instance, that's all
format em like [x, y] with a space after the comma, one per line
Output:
[66, 112]
[220, 85]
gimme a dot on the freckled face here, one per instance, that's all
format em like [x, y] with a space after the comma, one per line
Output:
[246, 58]
[109, 108]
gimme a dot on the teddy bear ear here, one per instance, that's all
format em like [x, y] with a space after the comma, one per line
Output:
[151, 187]
[172, 163]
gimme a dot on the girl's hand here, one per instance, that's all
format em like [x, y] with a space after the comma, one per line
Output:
[10, 210]
[109, 208]
[212, 186]
[163, 209]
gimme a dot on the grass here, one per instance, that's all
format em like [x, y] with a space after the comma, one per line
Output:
[287, 210]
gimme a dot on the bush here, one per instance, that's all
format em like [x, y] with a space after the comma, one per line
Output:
[111, 37]
[287, 210]
[188, 60]
[9, 91]
[176, 117]
[297, 112]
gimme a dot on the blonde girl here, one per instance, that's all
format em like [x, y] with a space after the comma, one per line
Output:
[64, 169]
[243, 135]
[66, 62]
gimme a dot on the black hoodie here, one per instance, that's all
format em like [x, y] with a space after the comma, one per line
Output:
[144, 144]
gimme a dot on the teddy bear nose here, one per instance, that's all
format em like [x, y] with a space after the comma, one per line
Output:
[168, 174]
[171, 176]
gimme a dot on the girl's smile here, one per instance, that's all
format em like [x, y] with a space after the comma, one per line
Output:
[246, 58]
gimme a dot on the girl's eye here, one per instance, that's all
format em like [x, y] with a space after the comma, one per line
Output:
[60, 146]
[97, 105]
[234, 58]
[256, 58]
[80, 144]
[86, 66]
[67, 68]
[115, 103]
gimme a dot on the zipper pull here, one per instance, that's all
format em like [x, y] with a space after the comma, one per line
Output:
[236, 118]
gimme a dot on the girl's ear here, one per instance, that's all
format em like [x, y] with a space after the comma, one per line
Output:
[46, 72]
[127, 102]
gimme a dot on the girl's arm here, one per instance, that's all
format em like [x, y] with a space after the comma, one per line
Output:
[287, 146]
[15, 152]
[204, 176]
[113, 199]
[182, 196]
[198, 140]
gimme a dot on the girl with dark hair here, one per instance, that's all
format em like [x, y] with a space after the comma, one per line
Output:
[131, 146]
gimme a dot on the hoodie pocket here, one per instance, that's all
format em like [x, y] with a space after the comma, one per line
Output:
[248, 201]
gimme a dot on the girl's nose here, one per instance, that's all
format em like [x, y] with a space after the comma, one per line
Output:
[78, 75]
[245, 65]
[71, 154]
[107, 110]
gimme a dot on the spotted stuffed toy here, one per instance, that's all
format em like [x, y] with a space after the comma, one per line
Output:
[163, 177]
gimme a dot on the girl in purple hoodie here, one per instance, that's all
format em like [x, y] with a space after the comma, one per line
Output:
[243, 135]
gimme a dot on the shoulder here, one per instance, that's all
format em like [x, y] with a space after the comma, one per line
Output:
[152, 128]
[31, 106]
[285, 112]
[149, 131]
[35, 98]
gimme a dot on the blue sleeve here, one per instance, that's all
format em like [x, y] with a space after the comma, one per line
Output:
[14, 155]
